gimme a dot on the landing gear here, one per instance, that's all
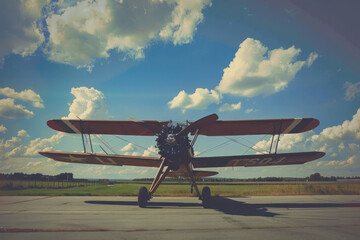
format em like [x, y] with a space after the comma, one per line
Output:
[206, 197]
[143, 197]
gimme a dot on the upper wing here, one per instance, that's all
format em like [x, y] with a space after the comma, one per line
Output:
[257, 160]
[252, 127]
[104, 159]
[141, 128]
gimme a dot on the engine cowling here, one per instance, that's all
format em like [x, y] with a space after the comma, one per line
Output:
[171, 146]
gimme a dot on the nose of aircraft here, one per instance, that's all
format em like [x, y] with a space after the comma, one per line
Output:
[171, 139]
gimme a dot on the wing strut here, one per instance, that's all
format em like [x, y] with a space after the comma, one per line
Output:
[92, 150]
[277, 139]
[83, 139]
[161, 174]
[82, 135]
[191, 175]
[272, 140]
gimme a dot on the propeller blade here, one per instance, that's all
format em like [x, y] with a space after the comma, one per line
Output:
[198, 124]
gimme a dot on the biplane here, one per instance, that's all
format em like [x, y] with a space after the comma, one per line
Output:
[176, 148]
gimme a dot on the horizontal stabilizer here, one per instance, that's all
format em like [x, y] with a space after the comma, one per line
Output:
[197, 174]
[103, 159]
[257, 160]
[200, 174]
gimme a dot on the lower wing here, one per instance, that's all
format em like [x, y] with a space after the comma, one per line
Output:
[103, 159]
[257, 160]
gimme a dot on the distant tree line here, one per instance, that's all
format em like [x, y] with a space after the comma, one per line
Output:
[36, 177]
[69, 177]
[318, 177]
[312, 177]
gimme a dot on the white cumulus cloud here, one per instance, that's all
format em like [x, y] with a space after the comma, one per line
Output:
[288, 142]
[79, 32]
[200, 99]
[18, 26]
[23, 133]
[44, 144]
[3, 129]
[25, 95]
[150, 151]
[89, 103]
[130, 147]
[347, 130]
[341, 163]
[11, 143]
[255, 70]
[311, 59]
[352, 89]
[9, 109]
[338, 142]
[230, 107]
[91, 29]
[184, 19]
[36, 145]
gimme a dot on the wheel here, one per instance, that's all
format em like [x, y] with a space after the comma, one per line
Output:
[206, 197]
[143, 197]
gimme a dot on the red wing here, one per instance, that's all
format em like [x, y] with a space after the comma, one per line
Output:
[257, 160]
[103, 159]
[142, 128]
[253, 127]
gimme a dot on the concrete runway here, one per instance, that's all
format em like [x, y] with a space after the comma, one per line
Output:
[280, 217]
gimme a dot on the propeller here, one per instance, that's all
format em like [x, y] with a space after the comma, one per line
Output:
[198, 124]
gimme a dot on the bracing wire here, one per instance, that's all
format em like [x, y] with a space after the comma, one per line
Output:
[123, 139]
[242, 144]
[233, 140]
[254, 145]
[214, 148]
[103, 142]
[261, 149]
[147, 149]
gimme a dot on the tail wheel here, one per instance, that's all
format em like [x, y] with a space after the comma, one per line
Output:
[143, 197]
[206, 197]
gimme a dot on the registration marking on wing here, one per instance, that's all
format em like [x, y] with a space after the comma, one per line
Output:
[72, 158]
[255, 161]
[108, 162]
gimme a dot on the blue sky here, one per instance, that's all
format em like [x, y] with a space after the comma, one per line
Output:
[179, 60]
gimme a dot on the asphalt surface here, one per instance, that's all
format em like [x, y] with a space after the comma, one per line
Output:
[86, 217]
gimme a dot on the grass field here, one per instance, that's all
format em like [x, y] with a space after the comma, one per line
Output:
[174, 189]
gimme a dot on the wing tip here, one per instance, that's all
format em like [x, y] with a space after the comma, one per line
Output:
[45, 153]
[321, 154]
[60, 126]
[305, 125]
[52, 124]
[316, 122]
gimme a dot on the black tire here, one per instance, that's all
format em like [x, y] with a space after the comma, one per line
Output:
[143, 197]
[206, 197]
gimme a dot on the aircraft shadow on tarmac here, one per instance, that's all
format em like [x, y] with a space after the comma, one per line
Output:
[150, 204]
[232, 207]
